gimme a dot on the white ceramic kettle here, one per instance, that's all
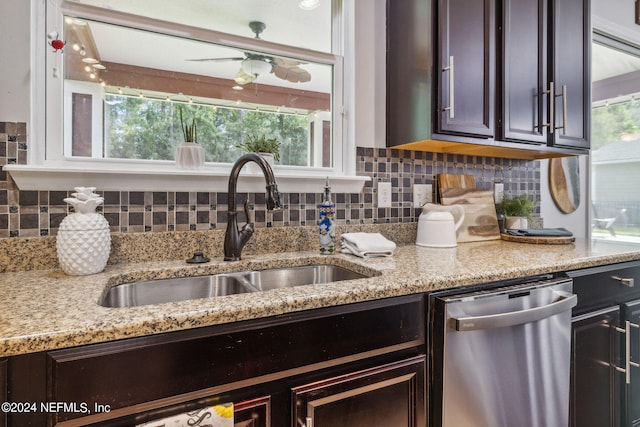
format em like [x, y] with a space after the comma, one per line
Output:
[437, 225]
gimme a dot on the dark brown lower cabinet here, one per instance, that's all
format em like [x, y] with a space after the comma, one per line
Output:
[631, 312]
[357, 356]
[605, 366]
[253, 413]
[389, 395]
[596, 386]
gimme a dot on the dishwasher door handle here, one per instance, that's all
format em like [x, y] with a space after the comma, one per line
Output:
[473, 323]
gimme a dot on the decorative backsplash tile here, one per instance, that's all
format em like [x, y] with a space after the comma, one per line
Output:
[39, 213]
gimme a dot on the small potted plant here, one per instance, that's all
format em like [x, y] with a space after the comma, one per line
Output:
[268, 148]
[517, 211]
[189, 154]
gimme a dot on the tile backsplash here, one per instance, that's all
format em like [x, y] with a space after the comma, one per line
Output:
[39, 213]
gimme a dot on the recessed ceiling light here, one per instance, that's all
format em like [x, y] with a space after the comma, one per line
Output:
[99, 66]
[237, 87]
[90, 60]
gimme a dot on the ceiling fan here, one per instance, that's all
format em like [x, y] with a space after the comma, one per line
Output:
[253, 65]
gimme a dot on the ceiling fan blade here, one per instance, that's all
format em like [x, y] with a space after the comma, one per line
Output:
[291, 74]
[243, 78]
[285, 62]
[216, 59]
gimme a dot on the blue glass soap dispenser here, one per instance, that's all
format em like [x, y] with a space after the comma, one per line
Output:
[327, 223]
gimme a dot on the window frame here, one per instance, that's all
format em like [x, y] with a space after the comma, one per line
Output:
[49, 168]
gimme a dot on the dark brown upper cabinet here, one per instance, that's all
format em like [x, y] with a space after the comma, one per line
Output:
[505, 78]
[546, 80]
[465, 67]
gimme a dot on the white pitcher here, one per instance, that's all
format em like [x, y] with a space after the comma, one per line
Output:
[437, 225]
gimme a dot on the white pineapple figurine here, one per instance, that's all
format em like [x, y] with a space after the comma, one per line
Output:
[84, 240]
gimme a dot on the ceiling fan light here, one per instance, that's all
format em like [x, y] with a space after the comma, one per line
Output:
[308, 4]
[255, 67]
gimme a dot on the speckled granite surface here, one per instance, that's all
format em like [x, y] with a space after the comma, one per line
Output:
[39, 253]
[45, 309]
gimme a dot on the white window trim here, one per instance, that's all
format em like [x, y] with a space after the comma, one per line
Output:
[48, 169]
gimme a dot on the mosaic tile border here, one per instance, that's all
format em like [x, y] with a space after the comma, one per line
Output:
[39, 213]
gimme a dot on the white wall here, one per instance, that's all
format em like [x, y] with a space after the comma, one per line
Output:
[370, 73]
[14, 66]
[576, 221]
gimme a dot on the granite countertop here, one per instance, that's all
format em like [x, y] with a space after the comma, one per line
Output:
[46, 309]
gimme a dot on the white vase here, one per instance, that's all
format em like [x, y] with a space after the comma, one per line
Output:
[254, 169]
[190, 155]
[516, 223]
[83, 242]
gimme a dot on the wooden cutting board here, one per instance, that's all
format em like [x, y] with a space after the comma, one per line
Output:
[480, 219]
[450, 180]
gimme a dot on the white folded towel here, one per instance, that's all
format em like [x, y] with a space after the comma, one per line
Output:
[367, 244]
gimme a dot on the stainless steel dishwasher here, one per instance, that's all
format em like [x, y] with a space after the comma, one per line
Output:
[505, 355]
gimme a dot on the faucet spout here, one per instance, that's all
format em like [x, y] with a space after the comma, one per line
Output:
[234, 238]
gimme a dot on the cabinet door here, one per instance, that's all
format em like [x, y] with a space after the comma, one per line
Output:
[252, 413]
[571, 69]
[389, 395]
[595, 384]
[409, 69]
[632, 412]
[466, 67]
[524, 74]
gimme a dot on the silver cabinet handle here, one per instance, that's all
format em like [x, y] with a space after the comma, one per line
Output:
[627, 281]
[451, 107]
[627, 339]
[550, 123]
[563, 94]
[473, 323]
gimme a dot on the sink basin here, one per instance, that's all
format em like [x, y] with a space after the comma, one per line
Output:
[275, 278]
[170, 290]
[186, 288]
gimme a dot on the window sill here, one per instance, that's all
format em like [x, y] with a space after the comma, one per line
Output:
[54, 177]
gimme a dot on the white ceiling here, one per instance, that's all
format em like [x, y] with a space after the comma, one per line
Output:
[609, 62]
[286, 22]
[614, 17]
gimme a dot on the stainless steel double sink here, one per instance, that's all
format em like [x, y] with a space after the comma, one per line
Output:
[186, 288]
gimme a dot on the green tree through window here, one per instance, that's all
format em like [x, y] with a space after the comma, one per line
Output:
[144, 128]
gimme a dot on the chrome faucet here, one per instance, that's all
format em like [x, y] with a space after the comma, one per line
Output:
[235, 239]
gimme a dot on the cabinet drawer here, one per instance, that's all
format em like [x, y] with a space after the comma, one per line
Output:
[197, 363]
[606, 285]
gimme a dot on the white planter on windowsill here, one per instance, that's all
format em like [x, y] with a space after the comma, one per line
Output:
[253, 169]
[190, 155]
